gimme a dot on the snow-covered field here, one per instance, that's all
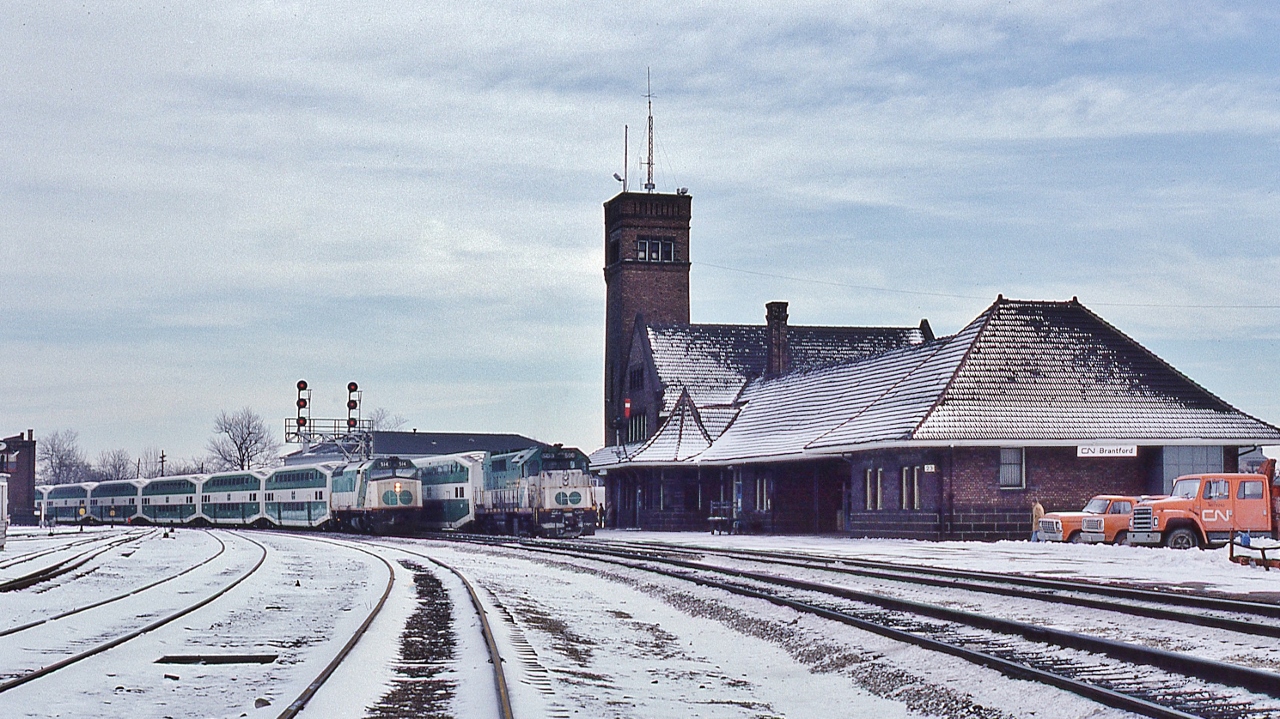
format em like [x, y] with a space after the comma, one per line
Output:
[578, 638]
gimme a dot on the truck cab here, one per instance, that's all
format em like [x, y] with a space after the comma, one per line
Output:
[1204, 510]
[1105, 518]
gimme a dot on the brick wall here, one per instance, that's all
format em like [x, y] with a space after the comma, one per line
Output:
[980, 509]
[20, 463]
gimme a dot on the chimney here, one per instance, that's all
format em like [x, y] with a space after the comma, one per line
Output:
[775, 317]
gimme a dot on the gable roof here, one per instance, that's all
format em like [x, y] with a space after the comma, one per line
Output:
[713, 362]
[1021, 372]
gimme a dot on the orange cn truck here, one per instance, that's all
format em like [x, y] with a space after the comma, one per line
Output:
[1205, 509]
[1105, 518]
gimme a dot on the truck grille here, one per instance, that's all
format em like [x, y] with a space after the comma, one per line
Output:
[1092, 524]
[1050, 525]
[1141, 521]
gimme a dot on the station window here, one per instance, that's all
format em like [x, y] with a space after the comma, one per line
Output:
[1013, 468]
[635, 380]
[874, 489]
[638, 429]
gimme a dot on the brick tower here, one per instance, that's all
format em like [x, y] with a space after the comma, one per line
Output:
[646, 273]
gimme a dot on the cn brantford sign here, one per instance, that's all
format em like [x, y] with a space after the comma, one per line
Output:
[1107, 450]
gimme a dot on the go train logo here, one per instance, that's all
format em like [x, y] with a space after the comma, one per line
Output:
[571, 498]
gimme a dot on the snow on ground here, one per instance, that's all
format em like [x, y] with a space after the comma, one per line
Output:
[302, 604]
[581, 638]
[1192, 570]
[578, 637]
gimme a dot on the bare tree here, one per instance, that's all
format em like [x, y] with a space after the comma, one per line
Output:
[193, 465]
[60, 457]
[384, 421]
[241, 441]
[148, 464]
[115, 464]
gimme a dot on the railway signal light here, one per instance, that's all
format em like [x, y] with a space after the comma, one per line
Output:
[353, 405]
[303, 403]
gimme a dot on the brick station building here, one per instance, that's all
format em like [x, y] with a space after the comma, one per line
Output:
[879, 431]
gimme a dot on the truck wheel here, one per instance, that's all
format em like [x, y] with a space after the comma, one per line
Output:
[1075, 538]
[1122, 537]
[1182, 538]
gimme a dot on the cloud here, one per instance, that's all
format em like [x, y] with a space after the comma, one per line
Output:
[201, 205]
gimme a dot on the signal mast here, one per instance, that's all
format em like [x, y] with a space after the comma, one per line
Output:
[351, 436]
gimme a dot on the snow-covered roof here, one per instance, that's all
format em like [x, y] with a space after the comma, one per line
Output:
[1022, 371]
[680, 438]
[714, 362]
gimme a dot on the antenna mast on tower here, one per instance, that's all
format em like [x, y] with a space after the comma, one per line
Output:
[648, 185]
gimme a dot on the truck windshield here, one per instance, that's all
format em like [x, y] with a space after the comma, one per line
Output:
[1096, 506]
[1186, 488]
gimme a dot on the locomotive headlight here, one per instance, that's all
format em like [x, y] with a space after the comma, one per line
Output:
[397, 486]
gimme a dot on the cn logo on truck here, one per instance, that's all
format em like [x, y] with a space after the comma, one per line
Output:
[1216, 515]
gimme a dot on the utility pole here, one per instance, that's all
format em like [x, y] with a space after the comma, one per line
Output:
[162, 463]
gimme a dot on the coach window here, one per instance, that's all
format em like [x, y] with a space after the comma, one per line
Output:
[1012, 468]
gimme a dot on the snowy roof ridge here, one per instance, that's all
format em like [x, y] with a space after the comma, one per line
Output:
[681, 438]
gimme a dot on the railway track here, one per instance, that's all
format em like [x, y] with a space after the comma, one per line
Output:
[1126, 676]
[64, 566]
[501, 688]
[1145, 603]
[67, 661]
[24, 558]
[222, 547]
[298, 704]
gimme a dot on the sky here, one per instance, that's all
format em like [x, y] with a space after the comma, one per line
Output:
[201, 204]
